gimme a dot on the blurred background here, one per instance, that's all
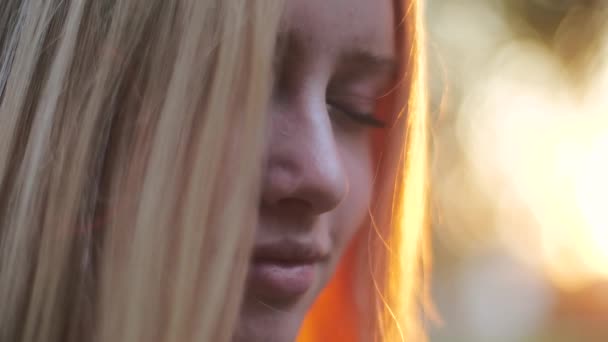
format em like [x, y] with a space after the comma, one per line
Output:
[520, 91]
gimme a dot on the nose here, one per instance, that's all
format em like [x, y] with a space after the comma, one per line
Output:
[304, 170]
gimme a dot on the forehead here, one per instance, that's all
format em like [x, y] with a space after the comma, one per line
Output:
[336, 25]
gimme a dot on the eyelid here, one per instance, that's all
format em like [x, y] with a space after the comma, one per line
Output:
[367, 119]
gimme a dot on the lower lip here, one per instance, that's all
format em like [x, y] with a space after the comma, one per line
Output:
[281, 281]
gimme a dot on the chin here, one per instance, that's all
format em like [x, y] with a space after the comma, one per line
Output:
[266, 324]
[263, 322]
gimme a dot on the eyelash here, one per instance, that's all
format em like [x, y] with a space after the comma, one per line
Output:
[365, 119]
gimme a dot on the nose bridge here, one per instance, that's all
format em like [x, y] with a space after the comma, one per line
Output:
[304, 161]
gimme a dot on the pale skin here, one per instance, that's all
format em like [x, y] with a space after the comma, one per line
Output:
[334, 58]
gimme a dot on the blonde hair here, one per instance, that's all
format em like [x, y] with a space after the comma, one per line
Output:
[130, 138]
[405, 299]
[131, 115]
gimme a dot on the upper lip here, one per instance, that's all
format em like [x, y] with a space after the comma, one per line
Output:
[288, 251]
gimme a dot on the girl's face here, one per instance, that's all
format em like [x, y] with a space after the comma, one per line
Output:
[334, 59]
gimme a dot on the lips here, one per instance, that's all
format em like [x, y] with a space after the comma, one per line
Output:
[284, 270]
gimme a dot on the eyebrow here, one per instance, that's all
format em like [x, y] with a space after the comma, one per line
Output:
[369, 61]
[292, 42]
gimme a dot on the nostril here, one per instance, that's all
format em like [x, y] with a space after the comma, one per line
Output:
[294, 207]
[300, 184]
[322, 195]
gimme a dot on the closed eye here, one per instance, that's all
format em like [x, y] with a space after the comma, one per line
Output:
[362, 118]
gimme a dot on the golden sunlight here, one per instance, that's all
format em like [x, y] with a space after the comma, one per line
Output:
[531, 139]
[520, 169]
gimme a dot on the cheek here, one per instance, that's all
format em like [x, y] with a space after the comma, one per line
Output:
[354, 209]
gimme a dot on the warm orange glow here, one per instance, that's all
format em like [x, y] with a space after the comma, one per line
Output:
[401, 316]
[335, 316]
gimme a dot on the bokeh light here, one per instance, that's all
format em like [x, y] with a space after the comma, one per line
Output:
[521, 167]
